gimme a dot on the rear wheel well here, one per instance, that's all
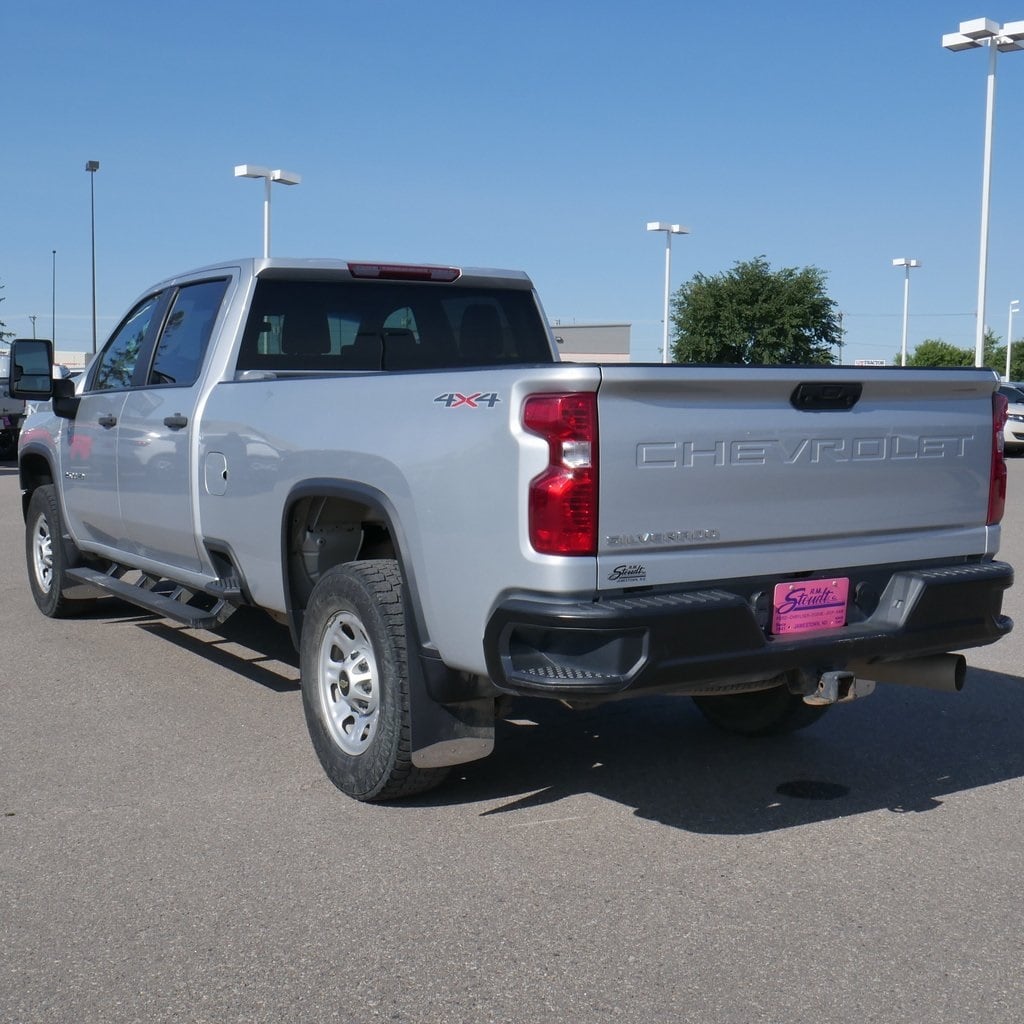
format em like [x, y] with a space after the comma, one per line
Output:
[324, 531]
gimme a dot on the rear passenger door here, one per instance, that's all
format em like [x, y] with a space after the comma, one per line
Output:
[155, 456]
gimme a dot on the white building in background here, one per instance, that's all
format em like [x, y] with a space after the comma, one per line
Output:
[592, 343]
[72, 360]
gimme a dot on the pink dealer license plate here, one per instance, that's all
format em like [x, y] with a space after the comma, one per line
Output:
[809, 604]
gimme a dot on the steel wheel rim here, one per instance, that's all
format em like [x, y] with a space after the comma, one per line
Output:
[349, 683]
[42, 554]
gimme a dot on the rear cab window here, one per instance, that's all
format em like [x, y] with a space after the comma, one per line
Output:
[357, 325]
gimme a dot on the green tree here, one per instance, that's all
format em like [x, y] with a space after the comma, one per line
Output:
[752, 314]
[936, 352]
[995, 356]
[998, 360]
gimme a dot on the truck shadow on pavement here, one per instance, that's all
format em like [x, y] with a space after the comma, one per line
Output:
[900, 750]
[904, 750]
[249, 644]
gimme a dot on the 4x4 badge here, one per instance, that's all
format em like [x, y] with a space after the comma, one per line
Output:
[453, 399]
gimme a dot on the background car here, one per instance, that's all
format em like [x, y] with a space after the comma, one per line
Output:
[1013, 432]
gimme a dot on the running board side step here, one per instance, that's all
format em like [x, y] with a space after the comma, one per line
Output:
[170, 602]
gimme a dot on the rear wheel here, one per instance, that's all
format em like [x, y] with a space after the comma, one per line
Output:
[355, 684]
[761, 713]
[48, 557]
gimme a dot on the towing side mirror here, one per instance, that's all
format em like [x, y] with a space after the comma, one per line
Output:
[31, 372]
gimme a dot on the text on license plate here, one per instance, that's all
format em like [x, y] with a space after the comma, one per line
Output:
[809, 604]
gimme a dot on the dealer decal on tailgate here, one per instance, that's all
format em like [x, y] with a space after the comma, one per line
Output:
[809, 604]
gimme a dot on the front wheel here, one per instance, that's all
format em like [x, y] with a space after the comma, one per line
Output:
[47, 557]
[761, 713]
[355, 683]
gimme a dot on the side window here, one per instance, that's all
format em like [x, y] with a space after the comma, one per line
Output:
[117, 362]
[182, 346]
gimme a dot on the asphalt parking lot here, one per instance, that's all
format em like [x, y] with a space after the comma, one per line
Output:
[173, 852]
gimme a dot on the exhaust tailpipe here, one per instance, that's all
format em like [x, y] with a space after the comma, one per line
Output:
[942, 672]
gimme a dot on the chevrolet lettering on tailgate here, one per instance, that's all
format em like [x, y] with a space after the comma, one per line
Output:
[686, 454]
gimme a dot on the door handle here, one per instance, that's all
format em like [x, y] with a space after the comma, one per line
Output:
[176, 422]
[108, 421]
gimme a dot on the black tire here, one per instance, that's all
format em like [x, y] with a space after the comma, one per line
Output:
[355, 683]
[762, 713]
[48, 556]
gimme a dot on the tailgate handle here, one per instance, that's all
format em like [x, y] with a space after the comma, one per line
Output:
[818, 396]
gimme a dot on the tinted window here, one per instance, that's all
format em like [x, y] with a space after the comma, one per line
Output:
[315, 325]
[1013, 395]
[182, 345]
[116, 367]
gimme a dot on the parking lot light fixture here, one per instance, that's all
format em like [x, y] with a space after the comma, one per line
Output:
[907, 265]
[280, 176]
[92, 166]
[999, 39]
[670, 230]
[1014, 308]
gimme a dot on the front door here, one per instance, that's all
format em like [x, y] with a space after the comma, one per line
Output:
[89, 447]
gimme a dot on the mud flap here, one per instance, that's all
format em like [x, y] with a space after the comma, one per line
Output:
[453, 732]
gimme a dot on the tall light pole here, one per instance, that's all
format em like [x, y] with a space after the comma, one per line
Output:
[284, 177]
[1005, 38]
[92, 166]
[670, 230]
[31, 317]
[1014, 307]
[907, 264]
[53, 301]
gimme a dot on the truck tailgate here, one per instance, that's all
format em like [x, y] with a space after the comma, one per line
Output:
[711, 474]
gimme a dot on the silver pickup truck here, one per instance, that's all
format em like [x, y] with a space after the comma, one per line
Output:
[391, 461]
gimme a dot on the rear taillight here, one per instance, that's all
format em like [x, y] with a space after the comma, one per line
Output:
[563, 499]
[997, 477]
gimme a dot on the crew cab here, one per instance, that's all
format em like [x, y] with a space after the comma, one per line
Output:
[391, 461]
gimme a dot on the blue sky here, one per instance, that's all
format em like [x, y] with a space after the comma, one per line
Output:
[535, 135]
